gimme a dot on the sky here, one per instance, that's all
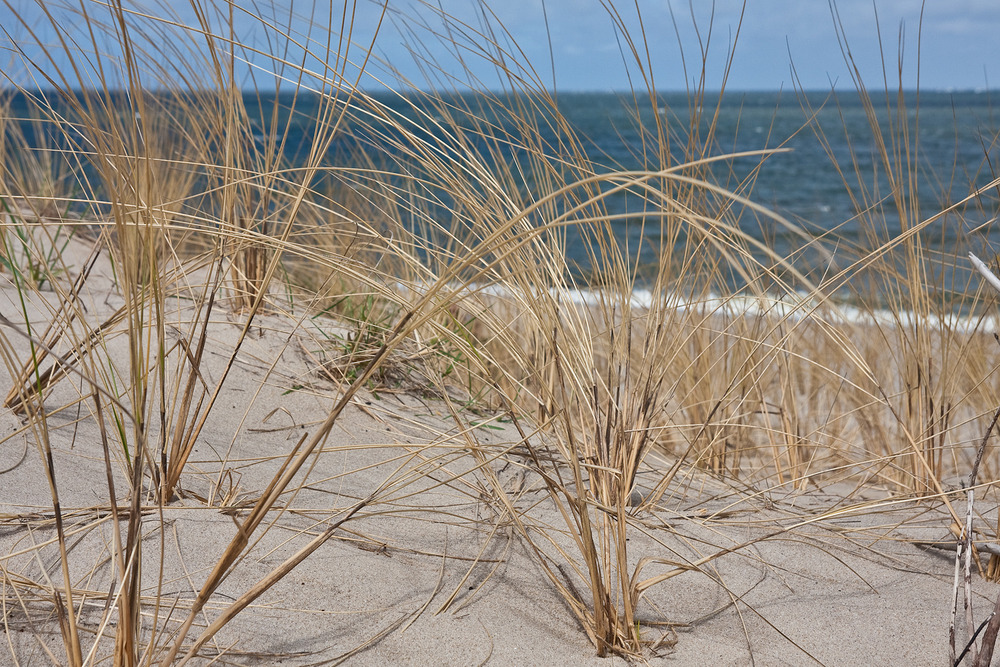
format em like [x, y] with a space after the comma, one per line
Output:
[582, 45]
[959, 41]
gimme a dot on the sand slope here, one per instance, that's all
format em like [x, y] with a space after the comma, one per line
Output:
[433, 571]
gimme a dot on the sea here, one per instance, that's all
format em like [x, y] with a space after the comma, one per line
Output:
[824, 173]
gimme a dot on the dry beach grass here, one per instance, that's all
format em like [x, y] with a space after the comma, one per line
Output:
[360, 411]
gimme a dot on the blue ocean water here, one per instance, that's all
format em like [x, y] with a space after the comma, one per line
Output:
[942, 147]
[829, 169]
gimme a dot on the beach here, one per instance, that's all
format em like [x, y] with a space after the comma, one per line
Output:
[306, 362]
[433, 569]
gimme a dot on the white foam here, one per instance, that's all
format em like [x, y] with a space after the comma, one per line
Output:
[790, 307]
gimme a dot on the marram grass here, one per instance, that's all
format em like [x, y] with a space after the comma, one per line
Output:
[441, 263]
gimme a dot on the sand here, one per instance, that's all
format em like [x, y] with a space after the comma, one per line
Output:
[432, 573]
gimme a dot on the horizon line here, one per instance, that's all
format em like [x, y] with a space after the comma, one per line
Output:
[7, 89]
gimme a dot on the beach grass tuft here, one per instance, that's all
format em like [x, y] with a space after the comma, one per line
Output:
[165, 261]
